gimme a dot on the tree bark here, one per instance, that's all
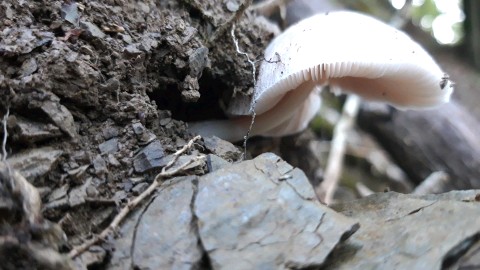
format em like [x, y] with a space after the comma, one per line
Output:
[472, 29]
[422, 142]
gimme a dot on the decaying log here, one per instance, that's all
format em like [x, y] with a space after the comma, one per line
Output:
[422, 142]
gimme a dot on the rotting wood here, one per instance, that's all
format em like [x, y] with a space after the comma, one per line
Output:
[443, 139]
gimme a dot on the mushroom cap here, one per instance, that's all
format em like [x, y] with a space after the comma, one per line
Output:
[349, 51]
[358, 54]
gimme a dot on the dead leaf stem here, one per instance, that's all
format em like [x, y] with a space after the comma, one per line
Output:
[223, 28]
[165, 173]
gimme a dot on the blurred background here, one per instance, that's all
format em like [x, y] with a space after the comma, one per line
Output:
[443, 19]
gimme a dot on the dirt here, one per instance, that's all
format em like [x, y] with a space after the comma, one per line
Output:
[99, 81]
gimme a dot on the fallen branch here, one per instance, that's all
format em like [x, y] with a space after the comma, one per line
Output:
[165, 173]
[5, 135]
[326, 189]
[268, 7]
[428, 141]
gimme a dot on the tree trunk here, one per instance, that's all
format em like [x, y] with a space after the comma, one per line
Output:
[444, 139]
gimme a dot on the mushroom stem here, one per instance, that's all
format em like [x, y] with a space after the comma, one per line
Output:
[235, 129]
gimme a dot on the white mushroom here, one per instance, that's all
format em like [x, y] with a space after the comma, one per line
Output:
[347, 50]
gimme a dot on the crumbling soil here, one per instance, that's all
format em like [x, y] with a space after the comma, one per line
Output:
[85, 86]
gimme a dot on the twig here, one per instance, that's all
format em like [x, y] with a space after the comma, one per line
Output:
[135, 202]
[268, 7]
[326, 189]
[402, 16]
[177, 154]
[239, 51]
[4, 148]
[100, 201]
[30, 198]
[254, 80]
[223, 28]
[5, 135]
[433, 184]
[334, 167]
[363, 190]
